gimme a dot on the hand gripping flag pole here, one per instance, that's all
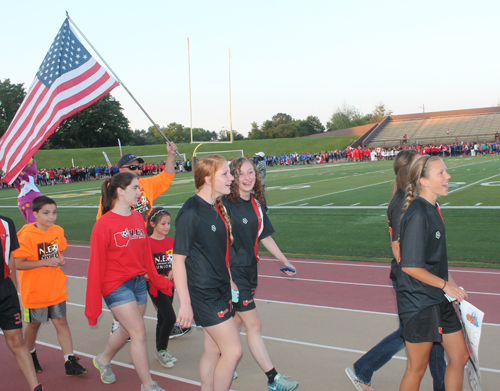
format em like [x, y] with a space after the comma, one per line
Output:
[119, 81]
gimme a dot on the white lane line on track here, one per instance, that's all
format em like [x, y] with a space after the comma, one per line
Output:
[337, 348]
[373, 266]
[331, 282]
[323, 263]
[357, 283]
[290, 303]
[130, 366]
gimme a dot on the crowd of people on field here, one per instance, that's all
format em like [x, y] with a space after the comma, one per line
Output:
[351, 154]
[52, 176]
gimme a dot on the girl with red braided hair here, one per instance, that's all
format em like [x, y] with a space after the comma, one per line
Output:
[201, 272]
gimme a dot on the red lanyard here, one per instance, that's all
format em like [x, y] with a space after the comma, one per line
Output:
[258, 212]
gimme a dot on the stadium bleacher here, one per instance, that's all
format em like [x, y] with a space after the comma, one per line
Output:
[476, 125]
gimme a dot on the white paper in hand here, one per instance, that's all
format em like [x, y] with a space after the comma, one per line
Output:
[472, 319]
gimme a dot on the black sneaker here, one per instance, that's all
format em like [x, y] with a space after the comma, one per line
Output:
[38, 368]
[73, 368]
[39, 387]
[178, 331]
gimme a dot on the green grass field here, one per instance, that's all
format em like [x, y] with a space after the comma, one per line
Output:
[93, 156]
[334, 211]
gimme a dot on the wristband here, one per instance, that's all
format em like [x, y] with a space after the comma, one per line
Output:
[444, 285]
[235, 296]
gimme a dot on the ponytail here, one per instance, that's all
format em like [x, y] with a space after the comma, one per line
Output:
[106, 197]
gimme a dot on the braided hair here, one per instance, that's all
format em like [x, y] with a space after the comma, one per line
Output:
[402, 165]
[207, 167]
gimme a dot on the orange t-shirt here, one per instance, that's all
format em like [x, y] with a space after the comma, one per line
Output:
[43, 286]
[151, 188]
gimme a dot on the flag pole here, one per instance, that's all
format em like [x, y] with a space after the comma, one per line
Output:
[190, 104]
[118, 79]
[230, 111]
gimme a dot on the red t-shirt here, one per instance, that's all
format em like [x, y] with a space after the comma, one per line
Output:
[119, 250]
[163, 255]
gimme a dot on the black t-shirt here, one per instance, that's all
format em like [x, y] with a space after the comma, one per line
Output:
[8, 243]
[201, 235]
[245, 216]
[423, 245]
[394, 213]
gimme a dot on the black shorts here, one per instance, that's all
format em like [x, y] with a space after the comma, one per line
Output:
[211, 306]
[10, 311]
[245, 278]
[430, 324]
[246, 301]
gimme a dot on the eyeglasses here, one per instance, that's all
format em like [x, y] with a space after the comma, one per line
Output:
[132, 167]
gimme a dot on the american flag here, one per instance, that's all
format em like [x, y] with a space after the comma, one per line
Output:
[68, 81]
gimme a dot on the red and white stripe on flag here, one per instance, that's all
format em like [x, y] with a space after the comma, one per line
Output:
[68, 81]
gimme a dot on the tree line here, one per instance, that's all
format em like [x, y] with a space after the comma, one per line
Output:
[101, 124]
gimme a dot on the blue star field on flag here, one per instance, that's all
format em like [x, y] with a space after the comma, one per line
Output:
[65, 54]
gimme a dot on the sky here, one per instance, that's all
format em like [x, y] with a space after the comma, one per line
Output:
[296, 57]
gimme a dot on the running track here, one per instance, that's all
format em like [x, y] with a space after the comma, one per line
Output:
[353, 286]
[361, 286]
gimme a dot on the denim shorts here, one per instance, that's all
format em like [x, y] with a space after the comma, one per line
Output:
[134, 289]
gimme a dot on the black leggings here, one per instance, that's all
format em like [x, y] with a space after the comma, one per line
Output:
[166, 318]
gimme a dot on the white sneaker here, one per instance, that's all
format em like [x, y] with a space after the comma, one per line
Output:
[152, 387]
[115, 326]
[164, 359]
[172, 358]
[358, 384]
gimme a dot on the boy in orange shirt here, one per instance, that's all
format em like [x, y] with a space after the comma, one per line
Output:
[43, 283]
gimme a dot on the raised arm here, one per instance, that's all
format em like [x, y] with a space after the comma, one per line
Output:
[170, 163]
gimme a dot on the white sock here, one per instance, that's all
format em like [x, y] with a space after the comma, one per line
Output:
[33, 351]
[66, 356]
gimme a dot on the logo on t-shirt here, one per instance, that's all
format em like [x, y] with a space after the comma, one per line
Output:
[214, 228]
[163, 261]
[143, 205]
[245, 221]
[123, 238]
[438, 234]
[48, 250]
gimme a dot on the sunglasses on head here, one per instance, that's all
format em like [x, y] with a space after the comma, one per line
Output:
[132, 167]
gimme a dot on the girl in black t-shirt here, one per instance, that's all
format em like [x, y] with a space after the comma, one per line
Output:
[201, 272]
[426, 314]
[245, 206]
